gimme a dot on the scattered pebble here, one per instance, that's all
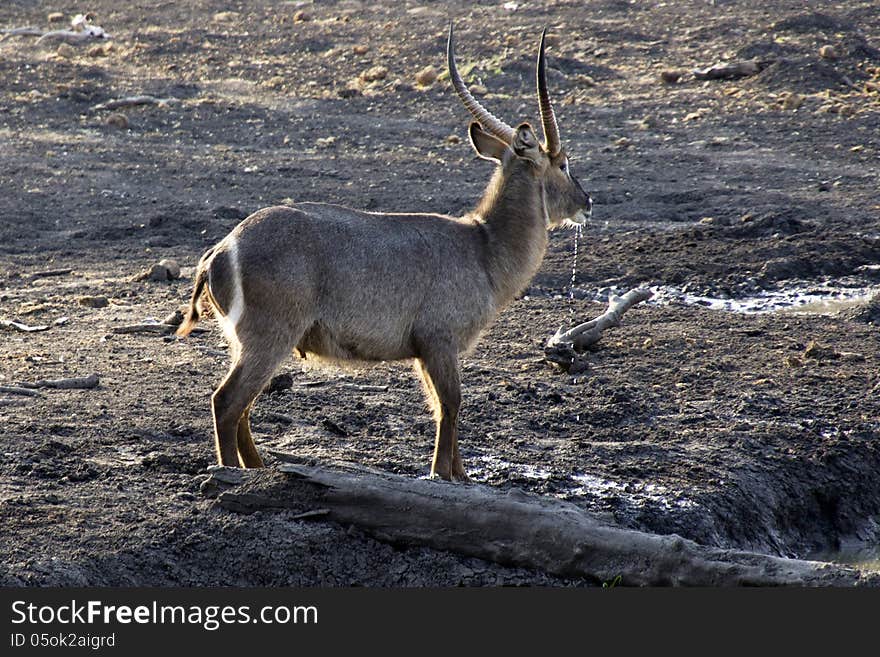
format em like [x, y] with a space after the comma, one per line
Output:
[174, 318]
[360, 49]
[427, 76]
[820, 352]
[65, 50]
[164, 270]
[301, 16]
[374, 74]
[100, 50]
[670, 77]
[226, 16]
[94, 302]
[479, 90]
[117, 120]
[55, 17]
[828, 52]
[275, 82]
[792, 101]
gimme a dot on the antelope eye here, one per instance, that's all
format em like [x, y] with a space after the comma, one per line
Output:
[564, 166]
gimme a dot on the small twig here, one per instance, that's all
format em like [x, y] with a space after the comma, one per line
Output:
[210, 351]
[152, 328]
[24, 328]
[83, 383]
[315, 513]
[158, 329]
[17, 390]
[50, 272]
[21, 31]
[732, 70]
[133, 101]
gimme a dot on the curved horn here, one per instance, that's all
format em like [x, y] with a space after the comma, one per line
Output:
[486, 119]
[548, 117]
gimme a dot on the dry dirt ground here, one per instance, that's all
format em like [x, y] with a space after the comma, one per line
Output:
[729, 429]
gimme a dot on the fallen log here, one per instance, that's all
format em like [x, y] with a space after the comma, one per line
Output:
[508, 527]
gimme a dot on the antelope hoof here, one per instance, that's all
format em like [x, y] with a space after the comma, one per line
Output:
[461, 477]
[455, 475]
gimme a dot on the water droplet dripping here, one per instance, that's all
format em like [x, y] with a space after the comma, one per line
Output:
[574, 265]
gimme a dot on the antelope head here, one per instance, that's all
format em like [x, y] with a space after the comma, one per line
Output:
[565, 201]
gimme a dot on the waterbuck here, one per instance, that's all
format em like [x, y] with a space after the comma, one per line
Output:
[337, 284]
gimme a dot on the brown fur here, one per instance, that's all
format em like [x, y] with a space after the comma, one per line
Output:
[343, 285]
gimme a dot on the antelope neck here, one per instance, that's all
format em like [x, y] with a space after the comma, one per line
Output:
[514, 213]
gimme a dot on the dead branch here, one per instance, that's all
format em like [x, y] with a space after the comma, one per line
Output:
[50, 272]
[82, 30]
[23, 328]
[507, 527]
[152, 328]
[133, 101]
[731, 70]
[84, 382]
[18, 390]
[21, 31]
[147, 327]
[564, 347]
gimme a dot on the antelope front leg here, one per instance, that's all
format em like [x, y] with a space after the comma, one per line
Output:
[441, 378]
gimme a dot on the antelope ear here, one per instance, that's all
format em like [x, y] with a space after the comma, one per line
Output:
[488, 147]
[526, 144]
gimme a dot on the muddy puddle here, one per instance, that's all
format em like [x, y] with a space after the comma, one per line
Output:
[807, 299]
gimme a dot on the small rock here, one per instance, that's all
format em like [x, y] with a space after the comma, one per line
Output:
[819, 352]
[55, 17]
[453, 139]
[164, 270]
[670, 77]
[279, 383]
[792, 101]
[275, 82]
[374, 74]
[94, 302]
[117, 120]
[100, 50]
[301, 16]
[828, 52]
[226, 16]
[479, 90]
[360, 49]
[794, 361]
[427, 76]
[171, 267]
[65, 50]
[174, 318]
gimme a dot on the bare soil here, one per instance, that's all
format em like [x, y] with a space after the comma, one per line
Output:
[728, 429]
